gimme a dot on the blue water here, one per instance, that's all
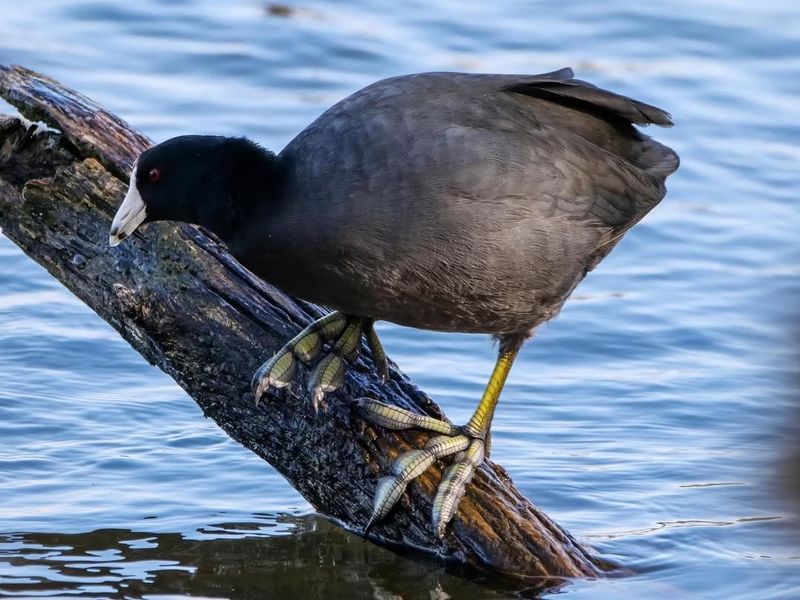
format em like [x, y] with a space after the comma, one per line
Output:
[654, 418]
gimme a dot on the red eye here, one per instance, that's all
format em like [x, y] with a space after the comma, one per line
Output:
[154, 175]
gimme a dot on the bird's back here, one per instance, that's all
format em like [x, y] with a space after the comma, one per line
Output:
[462, 202]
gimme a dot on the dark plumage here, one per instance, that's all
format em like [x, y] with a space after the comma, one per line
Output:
[444, 201]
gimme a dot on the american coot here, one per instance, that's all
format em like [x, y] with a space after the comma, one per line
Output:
[445, 201]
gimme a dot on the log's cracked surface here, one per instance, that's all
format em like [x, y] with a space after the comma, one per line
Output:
[189, 308]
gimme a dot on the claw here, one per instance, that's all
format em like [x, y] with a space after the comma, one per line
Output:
[409, 466]
[279, 370]
[470, 443]
[327, 376]
[387, 493]
[392, 417]
[454, 483]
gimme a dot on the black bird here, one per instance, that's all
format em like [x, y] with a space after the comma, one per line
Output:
[445, 201]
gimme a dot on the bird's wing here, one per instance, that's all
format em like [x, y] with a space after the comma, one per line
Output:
[458, 186]
[419, 144]
[562, 87]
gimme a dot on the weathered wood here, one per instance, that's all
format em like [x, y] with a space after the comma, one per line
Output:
[188, 307]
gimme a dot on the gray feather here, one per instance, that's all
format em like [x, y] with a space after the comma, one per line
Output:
[460, 202]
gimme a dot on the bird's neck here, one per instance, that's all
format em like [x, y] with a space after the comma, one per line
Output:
[255, 181]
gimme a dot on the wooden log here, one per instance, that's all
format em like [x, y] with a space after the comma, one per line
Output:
[179, 298]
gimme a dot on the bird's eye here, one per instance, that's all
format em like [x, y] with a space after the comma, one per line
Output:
[154, 175]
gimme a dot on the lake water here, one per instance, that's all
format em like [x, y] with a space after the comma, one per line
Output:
[655, 418]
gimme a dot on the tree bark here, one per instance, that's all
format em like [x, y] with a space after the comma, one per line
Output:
[179, 298]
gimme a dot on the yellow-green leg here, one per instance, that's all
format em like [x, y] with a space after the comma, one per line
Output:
[328, 374]
[468, 444]
[456, 477]
[481, 420]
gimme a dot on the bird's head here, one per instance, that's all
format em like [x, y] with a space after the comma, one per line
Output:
[206, 180]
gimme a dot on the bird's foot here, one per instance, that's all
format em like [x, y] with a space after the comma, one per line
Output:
[468, 444]
[344, 331]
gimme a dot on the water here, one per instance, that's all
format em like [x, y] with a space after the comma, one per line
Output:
[653, 418]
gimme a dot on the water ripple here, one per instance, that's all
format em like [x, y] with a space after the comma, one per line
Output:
[649, 418]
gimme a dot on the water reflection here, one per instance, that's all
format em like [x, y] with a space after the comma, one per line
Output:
[307, 558]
